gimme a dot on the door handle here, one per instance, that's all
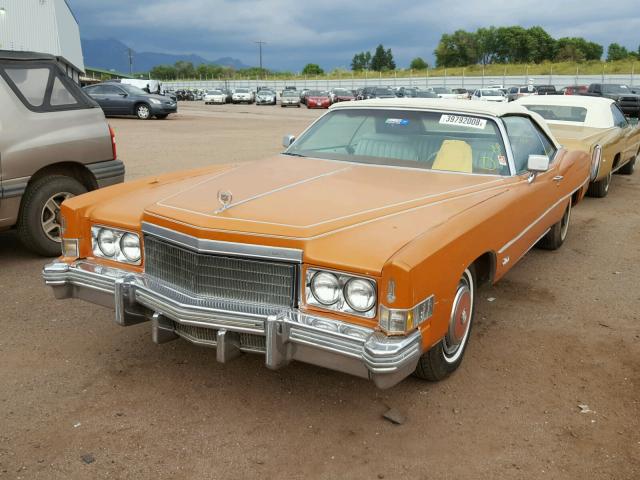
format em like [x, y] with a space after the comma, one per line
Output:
[558, 178]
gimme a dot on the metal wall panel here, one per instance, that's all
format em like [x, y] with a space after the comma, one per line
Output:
[46, 26]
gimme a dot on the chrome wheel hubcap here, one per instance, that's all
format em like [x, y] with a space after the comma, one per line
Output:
[50, 216]
[143, 111]
[460, 321]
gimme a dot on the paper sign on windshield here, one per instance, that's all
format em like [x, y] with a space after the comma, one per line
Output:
[463, 121]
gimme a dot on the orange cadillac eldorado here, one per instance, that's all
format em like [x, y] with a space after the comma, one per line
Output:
[596, 125]
[360, 248]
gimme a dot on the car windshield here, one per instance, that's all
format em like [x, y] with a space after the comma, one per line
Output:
[408, 138]
[529, 89]
[290, 93]
[384, 91]
[563, 113]
[342, 92]
[612, 88]
[316, 93]
[441, 90]
[491, 93]
[266, 92]
[242, 90]
[214, 92]
[131, 90]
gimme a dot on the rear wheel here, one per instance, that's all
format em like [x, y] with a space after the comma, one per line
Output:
[143, 112]
[558, 232]
[600, 188]
[629, 167]
[446, 356]
[39, 220]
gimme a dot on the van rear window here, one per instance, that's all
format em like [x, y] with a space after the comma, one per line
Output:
[44, 87]
[32, 83]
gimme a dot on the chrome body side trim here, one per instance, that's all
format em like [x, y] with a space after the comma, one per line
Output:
[200, 245]
[532, 224]
[289, 334]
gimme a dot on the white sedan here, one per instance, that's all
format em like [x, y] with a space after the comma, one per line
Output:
[488, 95]
[214, 96]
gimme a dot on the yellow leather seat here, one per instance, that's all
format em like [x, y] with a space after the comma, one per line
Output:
[454, 156]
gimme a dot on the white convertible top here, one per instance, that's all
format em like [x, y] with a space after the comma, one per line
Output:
[460, 107]
[598, 109]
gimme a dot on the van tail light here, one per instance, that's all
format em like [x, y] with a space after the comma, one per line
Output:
[113, 143]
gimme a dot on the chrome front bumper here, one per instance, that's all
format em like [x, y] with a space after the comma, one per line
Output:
[282, 335]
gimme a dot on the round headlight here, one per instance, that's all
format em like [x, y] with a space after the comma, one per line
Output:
[130, 247]
[107, 242]
[325, 288]
[360, 294]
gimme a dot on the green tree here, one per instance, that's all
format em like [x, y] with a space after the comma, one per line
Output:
[616, 52]
[312, 69]
[569, 53]
[361, 61]
[163, 72]
[418, 64]
[486, 45]
[390, 63]
[185, 69]
[457, 50]
[379, 59]
[541, 45]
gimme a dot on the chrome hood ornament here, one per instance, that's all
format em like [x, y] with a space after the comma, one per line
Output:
[224, 198]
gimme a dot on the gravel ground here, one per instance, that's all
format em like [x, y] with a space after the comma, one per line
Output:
[81, 397]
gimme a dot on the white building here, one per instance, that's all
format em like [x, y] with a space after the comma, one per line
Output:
[45, 26]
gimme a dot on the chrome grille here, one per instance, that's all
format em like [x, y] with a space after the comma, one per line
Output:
[216, 276]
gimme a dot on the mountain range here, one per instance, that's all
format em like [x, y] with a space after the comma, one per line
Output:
[112, 54]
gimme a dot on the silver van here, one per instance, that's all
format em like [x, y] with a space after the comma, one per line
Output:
[54, 144]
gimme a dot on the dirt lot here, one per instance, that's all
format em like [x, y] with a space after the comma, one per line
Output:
[81, 397]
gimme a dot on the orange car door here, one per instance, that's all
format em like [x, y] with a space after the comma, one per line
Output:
[535, 201]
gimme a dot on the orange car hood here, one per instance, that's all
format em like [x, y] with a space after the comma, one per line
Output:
[341, 214]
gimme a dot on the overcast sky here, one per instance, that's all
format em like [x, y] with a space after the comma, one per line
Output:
[329, 32]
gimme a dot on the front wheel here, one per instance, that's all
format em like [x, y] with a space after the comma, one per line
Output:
[557, 234]
[39, 220]
[446, 356]
[143, 112]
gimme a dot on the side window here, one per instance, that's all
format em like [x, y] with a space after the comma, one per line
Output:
[110, 90]
[526, 139]
[619, 119]
[31, 82]
[60, 95]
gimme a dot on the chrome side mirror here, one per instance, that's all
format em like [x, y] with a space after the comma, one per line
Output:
[287, 140]
[537, 164]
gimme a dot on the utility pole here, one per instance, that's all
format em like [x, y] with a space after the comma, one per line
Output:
[130, 53]
[260, 43]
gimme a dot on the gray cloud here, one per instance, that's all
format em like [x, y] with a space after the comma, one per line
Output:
[330, 32]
